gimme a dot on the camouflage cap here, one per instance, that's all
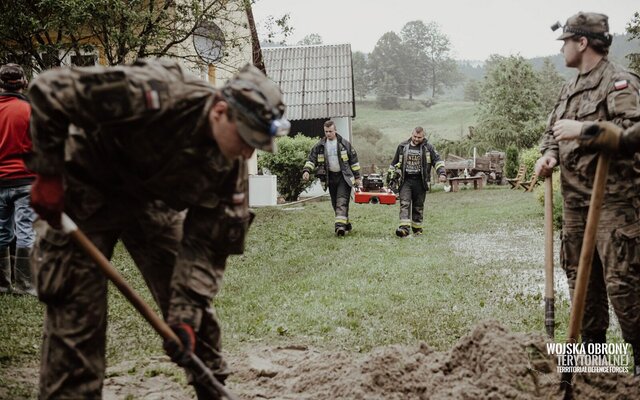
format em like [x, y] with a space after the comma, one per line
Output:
[258, 106]
[12, 77]
[591, 25]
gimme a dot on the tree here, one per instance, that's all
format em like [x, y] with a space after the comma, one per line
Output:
[361, 80]
[310, 39]
[472, 90]
[442, 69]
[42, 33]
[275, 30]
[511, 108]
[550, 84]
[414, 39]
[386, 63]
[633, 28]
[286, 164]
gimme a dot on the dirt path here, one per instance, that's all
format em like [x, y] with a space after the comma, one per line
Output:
[488, 363]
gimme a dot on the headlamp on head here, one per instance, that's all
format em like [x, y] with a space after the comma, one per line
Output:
[556, 26]
[279, 127]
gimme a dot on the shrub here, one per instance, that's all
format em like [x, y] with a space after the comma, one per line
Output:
[557, 199]
[511, 162]
[287, 164]
[529, 157]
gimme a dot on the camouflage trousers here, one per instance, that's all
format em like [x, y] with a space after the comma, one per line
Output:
[340, 193]
[75, 292]
[615, 273]
[412, 196]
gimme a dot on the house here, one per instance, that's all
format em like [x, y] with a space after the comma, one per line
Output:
[317, 82]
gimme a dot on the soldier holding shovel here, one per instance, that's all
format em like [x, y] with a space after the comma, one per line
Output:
[152, 156]
[601, 91]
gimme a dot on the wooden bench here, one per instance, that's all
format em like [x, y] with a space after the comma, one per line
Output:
[478, 182]
[517, 181]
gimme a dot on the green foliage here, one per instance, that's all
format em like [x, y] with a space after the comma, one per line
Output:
[528, 157]
[48, 31]
[361, 80]
[511, 162]
[310, 39]
[550, 84]
[386, 63]
[415, 39]
[472, 90]
[557, 199]
[633, 28]
[375, 150]
[287, 164]
[511, 106]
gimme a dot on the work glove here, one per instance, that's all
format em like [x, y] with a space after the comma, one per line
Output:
[47, 198]
[181, 355]
[601, 135]
[442, 178]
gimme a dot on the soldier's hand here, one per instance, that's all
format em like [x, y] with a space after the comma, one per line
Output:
[305, 176]
[181, 352]
[442, 178]
[544, 166]
[567, 129]
[47, 198]
[602, 135]
[358, 182]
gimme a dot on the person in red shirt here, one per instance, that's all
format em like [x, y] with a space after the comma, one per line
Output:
[16, 215]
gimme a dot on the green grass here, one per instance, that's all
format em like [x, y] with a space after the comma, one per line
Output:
[448, 120]
[299, 284]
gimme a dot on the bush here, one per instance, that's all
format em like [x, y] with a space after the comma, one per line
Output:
[287, 164]
[529, 157]
[511, 162]
[557, 200]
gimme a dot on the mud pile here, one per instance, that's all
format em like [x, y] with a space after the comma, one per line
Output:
[488, 363]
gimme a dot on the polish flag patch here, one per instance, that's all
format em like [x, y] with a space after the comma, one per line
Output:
[619, 85]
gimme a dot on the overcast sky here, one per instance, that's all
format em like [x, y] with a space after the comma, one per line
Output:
[476, 28]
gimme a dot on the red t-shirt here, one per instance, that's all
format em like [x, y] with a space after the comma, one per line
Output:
[14, 138]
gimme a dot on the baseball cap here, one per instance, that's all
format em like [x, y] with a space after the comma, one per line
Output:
[257, 101]
[589, 24]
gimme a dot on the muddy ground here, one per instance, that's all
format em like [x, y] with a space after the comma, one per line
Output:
[488, 363]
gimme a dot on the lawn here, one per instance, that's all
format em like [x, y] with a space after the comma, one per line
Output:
[446, 120]
[481, 257]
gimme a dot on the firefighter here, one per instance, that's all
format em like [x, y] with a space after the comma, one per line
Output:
[155, 157]
[335, 163]
[412, 165]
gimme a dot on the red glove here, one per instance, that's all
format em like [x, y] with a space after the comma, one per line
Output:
[181, 355]
[47, 198]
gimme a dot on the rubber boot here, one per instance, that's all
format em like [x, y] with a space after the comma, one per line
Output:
[5, 271]
[205, 394]
[402, 231]
[24, 282]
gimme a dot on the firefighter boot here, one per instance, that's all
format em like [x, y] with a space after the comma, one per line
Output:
[417, 231]
[402, 231]
[5, 271]
[348, 228]
[24, 283]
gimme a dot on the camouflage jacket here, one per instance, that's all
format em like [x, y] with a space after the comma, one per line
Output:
[430, 157]
[347, 156]
[138, 132]
[607, 92]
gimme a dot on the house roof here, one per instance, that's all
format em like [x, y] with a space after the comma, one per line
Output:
[317, 81]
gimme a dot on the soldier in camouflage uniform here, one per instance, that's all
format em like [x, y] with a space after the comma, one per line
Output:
[413, 161]
[335, 162]
[601, 91]
[154, 157]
